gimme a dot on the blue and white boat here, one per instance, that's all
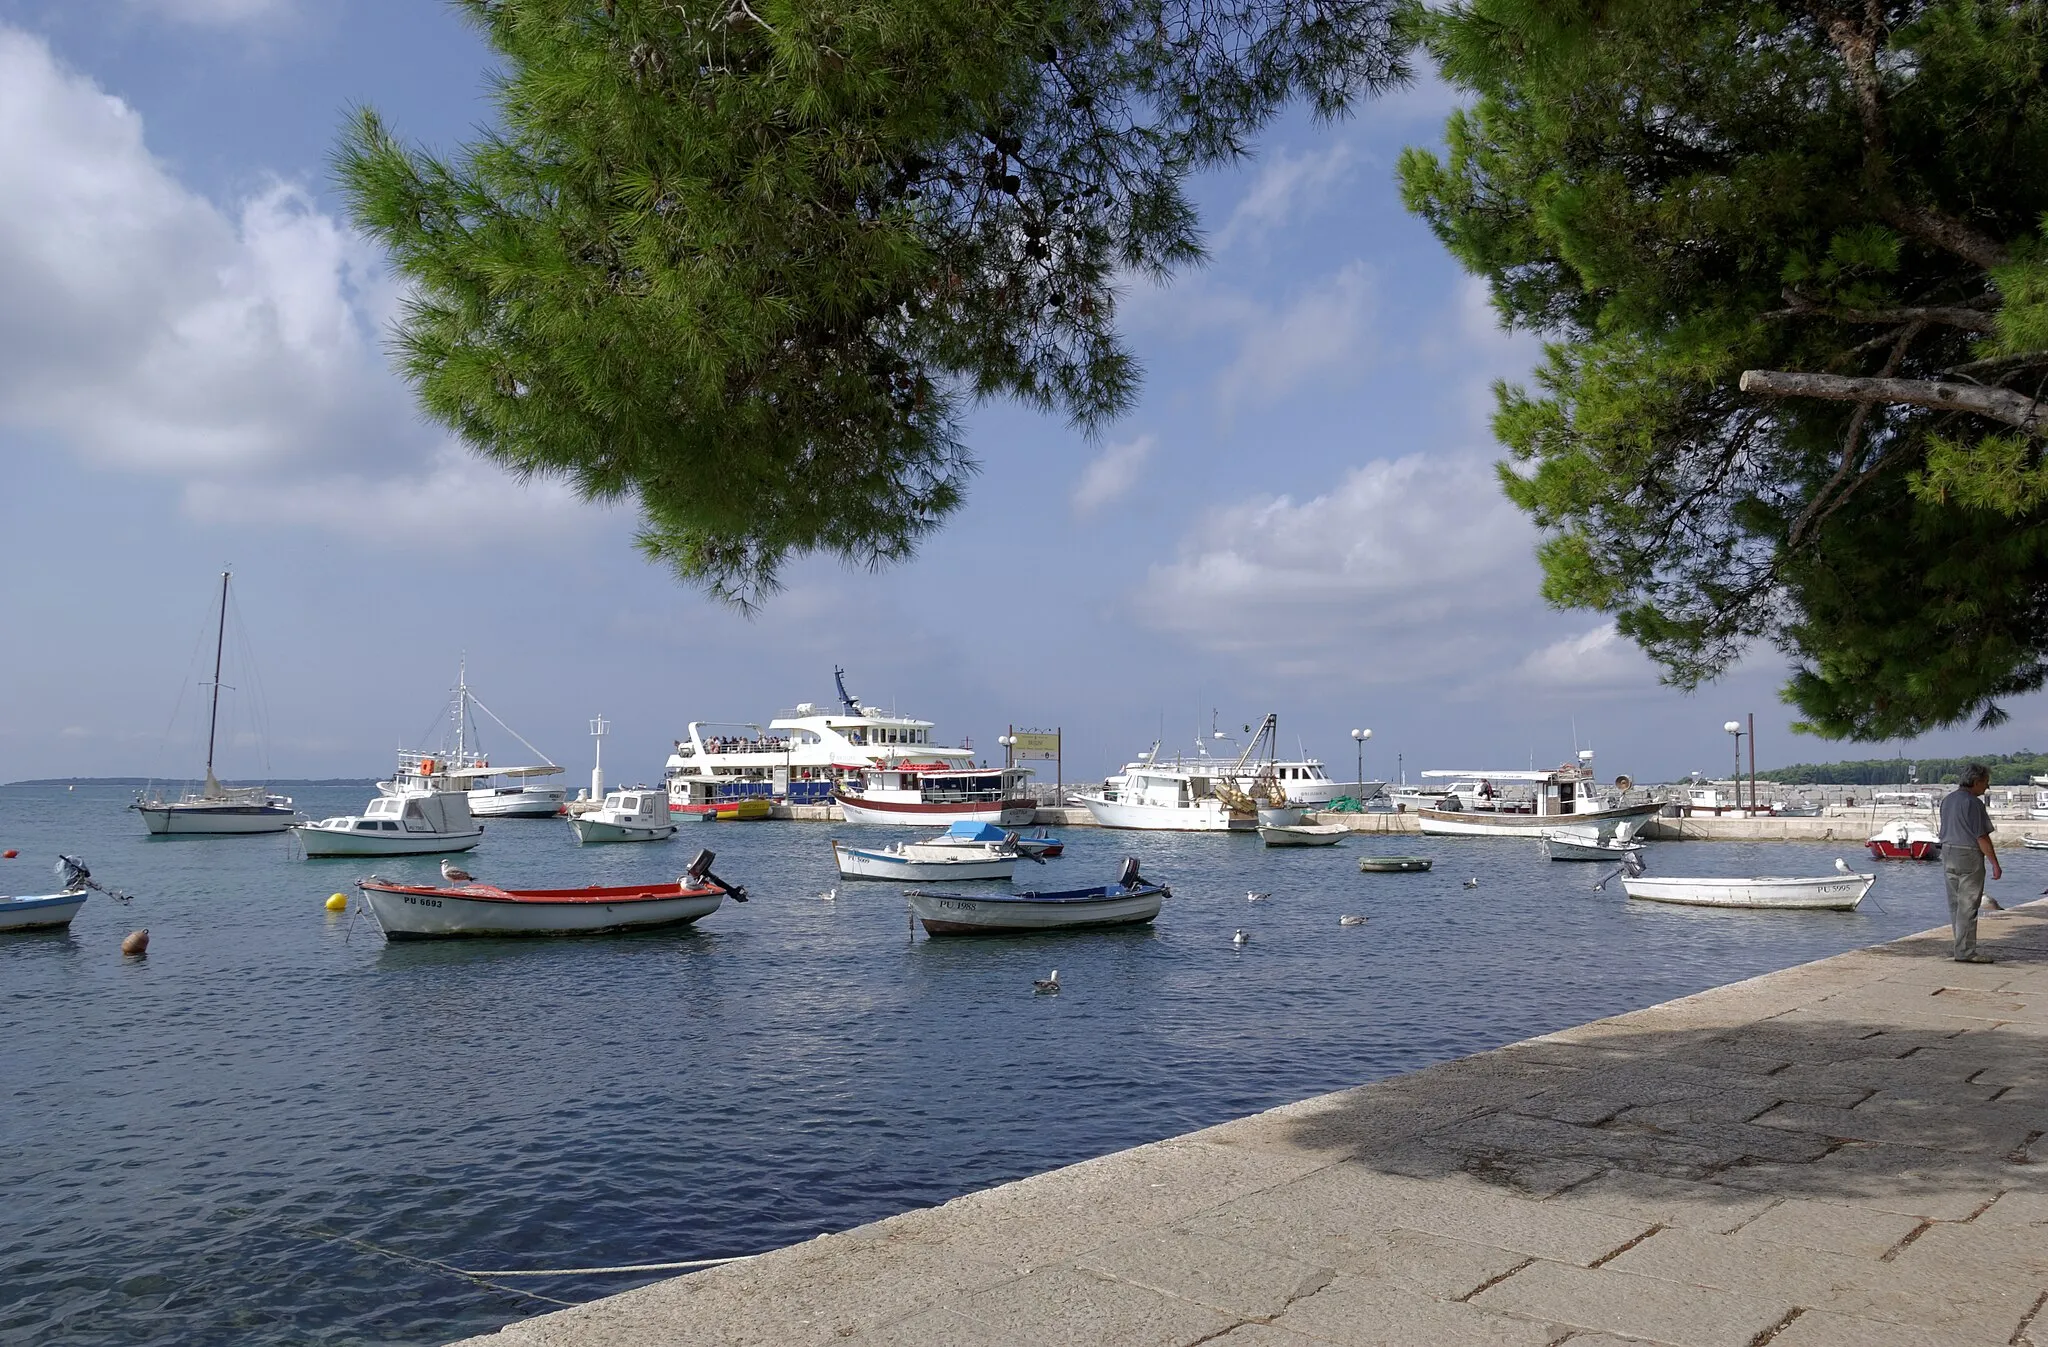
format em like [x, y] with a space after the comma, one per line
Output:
[37, 912]
[967, 850]
[1130, 901]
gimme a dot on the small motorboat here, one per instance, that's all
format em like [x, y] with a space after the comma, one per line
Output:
[967, 850]
[53, 911]
[1042, 845]
[1586, 844]
[2034, 843]
[1281, 816]
[424, 912]
[635, 815]
[1302, 834]
[1131, 900]
[1387, 865]
[1905, 839]
[423, 819]
[1838, 892]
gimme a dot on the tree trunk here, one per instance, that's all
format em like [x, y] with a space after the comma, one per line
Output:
[2000, 404]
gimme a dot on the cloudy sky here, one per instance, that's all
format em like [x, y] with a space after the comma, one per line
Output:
[1298, 516]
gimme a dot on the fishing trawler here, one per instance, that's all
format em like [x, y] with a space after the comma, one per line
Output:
[803, 756]
[493, 790]
[1530, 803]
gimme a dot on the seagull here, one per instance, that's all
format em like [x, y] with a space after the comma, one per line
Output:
[829, 894]
[1348, 920]
[1254, 896]
[1843, 866]
[1472, 883]
[1048, 985]
[455, 874]
[1241, 937]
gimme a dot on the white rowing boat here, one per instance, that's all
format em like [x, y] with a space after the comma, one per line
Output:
[1840, 892]
[1586, 843]
[40, 912]
[2034, 843]
[1302, 835]
[967, 850]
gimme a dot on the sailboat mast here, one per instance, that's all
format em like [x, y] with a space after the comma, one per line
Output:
[461, 709]
[220, 639]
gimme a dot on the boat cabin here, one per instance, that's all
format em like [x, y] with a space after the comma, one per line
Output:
[1567, 789]
[636, 806]
[423, 812]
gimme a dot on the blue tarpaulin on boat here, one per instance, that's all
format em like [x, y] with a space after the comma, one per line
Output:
[977, 832]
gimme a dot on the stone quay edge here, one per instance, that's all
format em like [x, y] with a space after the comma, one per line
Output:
[1846, 1152]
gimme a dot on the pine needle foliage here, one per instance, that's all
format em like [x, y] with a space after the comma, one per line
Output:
[748, 262]
[1789, 260]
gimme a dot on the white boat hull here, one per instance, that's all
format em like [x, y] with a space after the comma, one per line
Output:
[1480, 823]
[950, 914]
[591, 829]
[40, 912]
[406, 916]
[1206, 816]
[1828, 892]
[1304, 836]
[1002, 813]
[855, 863]
[522, 802]
[203, 820]
[1575, 849]
[320, 841]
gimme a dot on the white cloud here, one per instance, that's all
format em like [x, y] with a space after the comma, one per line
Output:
[1287, 187]
[1322, 333]
[455, 501]
[1112, 474]
[1406, 564]
[238, 350]
[1599, 657]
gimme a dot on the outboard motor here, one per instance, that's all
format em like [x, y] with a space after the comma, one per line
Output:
[700, 870]
[72, 871]
[1128, 877]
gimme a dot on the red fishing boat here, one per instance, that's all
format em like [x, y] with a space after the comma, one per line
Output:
[427, 912]
[1905, 840]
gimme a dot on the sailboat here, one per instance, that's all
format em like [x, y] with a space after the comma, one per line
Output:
[215, 810]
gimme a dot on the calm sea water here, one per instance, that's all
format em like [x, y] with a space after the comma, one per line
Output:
[246, 1137]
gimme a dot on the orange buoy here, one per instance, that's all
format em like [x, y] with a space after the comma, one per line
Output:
[10, 853]
[136, 943]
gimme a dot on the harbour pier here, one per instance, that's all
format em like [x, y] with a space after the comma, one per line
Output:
[1847, 1152]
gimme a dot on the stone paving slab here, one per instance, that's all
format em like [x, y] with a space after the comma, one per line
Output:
[1853, 1151]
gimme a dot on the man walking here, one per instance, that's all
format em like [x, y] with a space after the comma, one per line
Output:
[1965, 848]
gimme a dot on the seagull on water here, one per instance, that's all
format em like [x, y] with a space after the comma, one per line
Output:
[1349, 920]
[1254, 896]
[829, 894]
[455, 874]
[1241, 937]
[1472, 883]
[1047, 985]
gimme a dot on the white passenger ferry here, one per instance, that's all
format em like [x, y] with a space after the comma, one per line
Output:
[804, 756]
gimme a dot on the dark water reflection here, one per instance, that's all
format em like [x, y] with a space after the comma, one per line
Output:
[191, 1135]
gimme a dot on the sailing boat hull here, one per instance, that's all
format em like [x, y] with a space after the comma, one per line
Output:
[206, 820]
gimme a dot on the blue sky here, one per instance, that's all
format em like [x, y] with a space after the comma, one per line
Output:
[1298, 516]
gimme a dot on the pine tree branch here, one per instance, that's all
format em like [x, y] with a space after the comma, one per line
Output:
[2000, 404]
[1830, 497]
[1948, 315]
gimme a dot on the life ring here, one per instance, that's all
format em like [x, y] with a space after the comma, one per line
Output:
[426, 766]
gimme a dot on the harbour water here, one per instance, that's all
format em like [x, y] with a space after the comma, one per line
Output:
[276, 1128]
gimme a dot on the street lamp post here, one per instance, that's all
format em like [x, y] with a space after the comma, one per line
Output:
[1359, 737]
[1734, 727]
[1008, 741]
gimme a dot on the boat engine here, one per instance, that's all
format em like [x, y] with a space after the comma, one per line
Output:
[700, 870]
[1129, 877]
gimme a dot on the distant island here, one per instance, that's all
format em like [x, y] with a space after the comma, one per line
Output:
[2007, 769]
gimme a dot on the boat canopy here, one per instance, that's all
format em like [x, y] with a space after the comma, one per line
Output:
[976, 832]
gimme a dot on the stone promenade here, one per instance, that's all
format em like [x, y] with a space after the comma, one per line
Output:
[1849, 1153]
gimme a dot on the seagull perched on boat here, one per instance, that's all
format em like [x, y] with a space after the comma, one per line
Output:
[1472, 883]
[455, 874]
[1254, 896]
[1348, 920]
[1241, 937]
[1843, 866]
[1046, 986]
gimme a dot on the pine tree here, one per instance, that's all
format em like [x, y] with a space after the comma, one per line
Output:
[747, 262]
[1790, 261]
